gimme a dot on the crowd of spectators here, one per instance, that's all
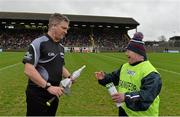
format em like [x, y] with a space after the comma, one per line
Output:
[110, 39]
[17, 39]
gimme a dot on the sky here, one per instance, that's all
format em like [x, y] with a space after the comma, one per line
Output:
[156, 17]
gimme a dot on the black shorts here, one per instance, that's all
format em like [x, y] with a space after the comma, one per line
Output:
[36, 99]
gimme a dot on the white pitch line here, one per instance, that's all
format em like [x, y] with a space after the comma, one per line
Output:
[168, 71]
[9, 66]
[156, 67]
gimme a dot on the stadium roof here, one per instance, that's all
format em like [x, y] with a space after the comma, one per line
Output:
[174, 38]
[79, 19]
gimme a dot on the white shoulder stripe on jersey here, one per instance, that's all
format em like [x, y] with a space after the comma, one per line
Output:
[61, 45]
[35, 55]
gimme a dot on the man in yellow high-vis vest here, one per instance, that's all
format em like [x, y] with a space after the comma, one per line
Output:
[139, 83]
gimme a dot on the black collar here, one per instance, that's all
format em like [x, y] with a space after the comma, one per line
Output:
[51, 39]
[133, 64]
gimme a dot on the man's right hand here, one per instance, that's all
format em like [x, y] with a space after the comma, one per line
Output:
[56, 90]
[99, 75]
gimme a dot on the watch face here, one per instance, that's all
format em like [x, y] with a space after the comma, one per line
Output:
[48, 84]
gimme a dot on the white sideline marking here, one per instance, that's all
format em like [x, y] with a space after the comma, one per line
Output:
[168, 71]
[173, 72]
[9, 66]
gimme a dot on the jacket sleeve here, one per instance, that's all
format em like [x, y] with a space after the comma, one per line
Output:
[111, 77]
[149, 90]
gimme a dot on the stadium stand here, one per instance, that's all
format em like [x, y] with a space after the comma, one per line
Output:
[175, 41]
[100, 33]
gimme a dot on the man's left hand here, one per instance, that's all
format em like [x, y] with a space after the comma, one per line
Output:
[118, 97]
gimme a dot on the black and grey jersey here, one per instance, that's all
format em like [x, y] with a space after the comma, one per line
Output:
[47, 57]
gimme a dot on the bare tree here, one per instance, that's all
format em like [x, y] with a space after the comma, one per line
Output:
[163, 41]
[162, 38]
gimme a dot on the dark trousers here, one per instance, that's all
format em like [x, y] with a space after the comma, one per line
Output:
[36, 99]
[122, 113]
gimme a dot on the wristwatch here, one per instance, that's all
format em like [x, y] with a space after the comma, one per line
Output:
[47, 85]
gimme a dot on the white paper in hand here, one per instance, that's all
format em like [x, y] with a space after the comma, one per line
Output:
[77, 73]
[112, 90]
[66, 82]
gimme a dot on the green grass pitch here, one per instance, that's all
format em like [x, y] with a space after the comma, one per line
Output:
[87, 97]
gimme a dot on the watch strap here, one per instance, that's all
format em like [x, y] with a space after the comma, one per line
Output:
[47, 85]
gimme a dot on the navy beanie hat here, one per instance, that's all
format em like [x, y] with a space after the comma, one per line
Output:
[137, 45]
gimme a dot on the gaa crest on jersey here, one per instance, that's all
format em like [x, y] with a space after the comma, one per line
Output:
[51, 54]
[131, 73]
[28, 56]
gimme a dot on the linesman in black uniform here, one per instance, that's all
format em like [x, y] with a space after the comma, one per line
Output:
[45, 67]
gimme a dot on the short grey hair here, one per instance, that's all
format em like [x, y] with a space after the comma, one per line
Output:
[57, 18]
